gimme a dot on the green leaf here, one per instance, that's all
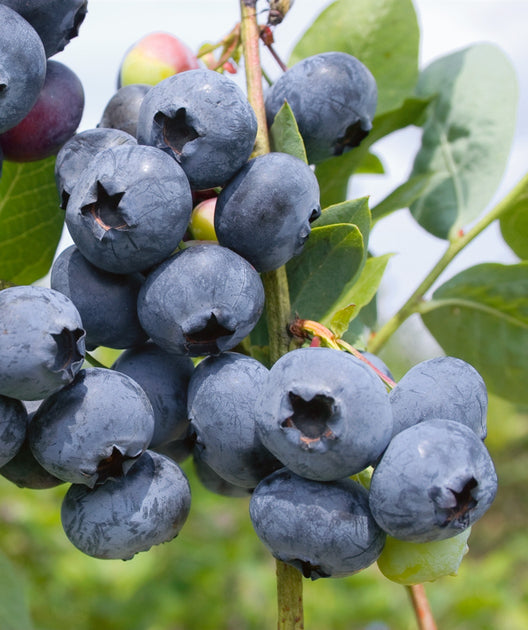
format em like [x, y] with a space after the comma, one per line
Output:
[355, 211]
[481, 316]
[514, 225]
[284, 134]
[31, 220]
[371, 164]
[331, 258]
[402, 196]
[359, 294]
[333, 174]
[382, 34]
[467, 136]
[14, 609]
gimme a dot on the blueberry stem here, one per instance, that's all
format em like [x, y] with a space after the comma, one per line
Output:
[416, 303]
[421, 607]
[278, 308]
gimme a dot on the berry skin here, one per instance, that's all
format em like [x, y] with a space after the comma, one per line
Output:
[122, 110]
[204, 121]
[93, 429]
[322, 529]
[22, 67]
[202, 300]
[155, 57]
[165, 378]
[56, 21]
[13, 423]
[221, 403]
[42, 342]
[126, 516]
[213, 482]
[443, 387]
[434, 480]
[264, 212]
[75, 155]
[106, 301]
[52, 120]
[324, 414]
[129, 209]
[414, 563]
[333, 97]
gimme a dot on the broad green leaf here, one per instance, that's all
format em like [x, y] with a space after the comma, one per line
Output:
[382, 34]
[14, 608]
[467, 136]
[284, 134]
[371, 164]
[334, 174]
[481, 316]
[402, 196]
[31, 221]
[358, 294]
[514, 223]
[354, 211]
[331, 258]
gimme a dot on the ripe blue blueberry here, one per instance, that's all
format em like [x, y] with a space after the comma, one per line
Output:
[93, 429]
[22, 67]
[324, 529]
[122, 110]
[264, 212]
[333, 97]
[203, 300]
[204, 121]
[126, 516]
[435, 479]
[13, 423]
[324, 413]
[129, 209]
[212, 481]
[107, 302]
[75, 155]
[443, 387]
[165, 378]
[42, 342]
[221, 402]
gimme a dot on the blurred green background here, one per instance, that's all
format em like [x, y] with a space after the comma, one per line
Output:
[217, 575]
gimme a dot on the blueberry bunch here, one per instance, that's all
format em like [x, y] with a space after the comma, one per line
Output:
[41, 99]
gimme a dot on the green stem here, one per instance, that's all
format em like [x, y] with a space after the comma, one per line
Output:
[457, 244]
[278, 309]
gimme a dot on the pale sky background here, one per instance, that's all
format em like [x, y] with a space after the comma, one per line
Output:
[112, 26]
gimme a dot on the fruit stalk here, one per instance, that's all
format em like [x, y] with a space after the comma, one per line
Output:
[421, 607]
[278, 309]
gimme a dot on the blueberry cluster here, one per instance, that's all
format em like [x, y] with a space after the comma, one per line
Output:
[332, 461]
[41, 99]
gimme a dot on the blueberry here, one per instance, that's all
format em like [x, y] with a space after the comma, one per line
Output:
[333, 97]
[22, 67]
[122, 110]
[221, 402]
[264, 212]
[378, 363]
[93, 429]
[203, 120]
[443, 387]
[435, 480]
[203, 300]
[178, 450]
[75, 155]
[129, 209]
[56, 21]
[42, 342]
[324, 414]
[107, 302]
[52, 120]
[324, 529]
[13, 423]
[213, 482]
[126, 516]
[165, 378]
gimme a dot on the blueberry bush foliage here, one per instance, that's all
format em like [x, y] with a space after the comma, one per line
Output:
[332, 288]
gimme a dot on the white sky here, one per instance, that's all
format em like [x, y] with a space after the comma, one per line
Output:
[111, 26]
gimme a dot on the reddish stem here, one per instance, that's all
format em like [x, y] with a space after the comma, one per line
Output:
[421, 606]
